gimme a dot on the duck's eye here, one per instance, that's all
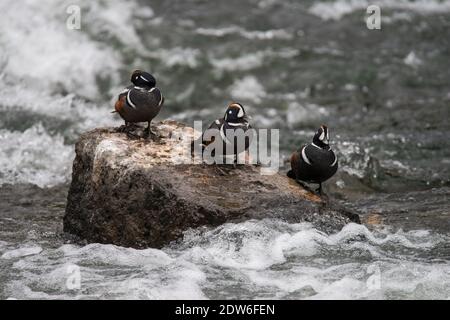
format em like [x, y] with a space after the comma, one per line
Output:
[230, 112]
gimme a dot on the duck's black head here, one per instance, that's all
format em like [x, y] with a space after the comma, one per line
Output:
[235, 113]
[322, 137]
[143, 79]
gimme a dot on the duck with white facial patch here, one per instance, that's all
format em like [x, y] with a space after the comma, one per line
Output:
[232, 127]
[314, 162]
[140, 102]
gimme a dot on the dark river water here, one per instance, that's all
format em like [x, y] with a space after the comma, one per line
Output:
[384, 94]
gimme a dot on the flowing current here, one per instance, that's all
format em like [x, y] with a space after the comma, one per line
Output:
[384, 94]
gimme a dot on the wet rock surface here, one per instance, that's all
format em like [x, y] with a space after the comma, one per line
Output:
[137, 192]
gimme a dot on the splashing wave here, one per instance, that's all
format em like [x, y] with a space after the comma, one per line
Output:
[253, 259]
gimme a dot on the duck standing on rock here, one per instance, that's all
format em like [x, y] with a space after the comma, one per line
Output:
[235, 119]
[140, 102]
[314, 162]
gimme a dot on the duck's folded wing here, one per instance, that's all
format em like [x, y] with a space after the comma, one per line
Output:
[318, 156]
[138, 98]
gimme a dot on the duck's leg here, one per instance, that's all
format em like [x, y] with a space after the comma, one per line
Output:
[148, 131]
[124, 128]
[319, 189]
[129, 128]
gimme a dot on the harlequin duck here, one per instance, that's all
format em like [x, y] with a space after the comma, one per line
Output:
[315, 162]
[140, 102]
[235, 118]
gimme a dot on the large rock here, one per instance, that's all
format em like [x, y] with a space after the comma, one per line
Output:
[133, 192]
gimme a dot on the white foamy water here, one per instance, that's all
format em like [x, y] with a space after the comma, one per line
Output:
[21, 252]
[44, 54]
[298, 114]
[33, 156]
[249, 34]
[40, 58]
[254, 259]
[36, 155]
[354, 158]
[177, 56]
[248, 89]
[84, 115]
[412, 60]
[251, 60]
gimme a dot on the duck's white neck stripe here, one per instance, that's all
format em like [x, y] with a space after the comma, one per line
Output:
[143, 89]
[304, 157]
[315, 145]
[224, 137]
[334, 162]
[129, 100]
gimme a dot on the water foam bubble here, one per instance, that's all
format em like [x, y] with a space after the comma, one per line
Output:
[412, 60]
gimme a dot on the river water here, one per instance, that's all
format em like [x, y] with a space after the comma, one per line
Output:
[384, 94]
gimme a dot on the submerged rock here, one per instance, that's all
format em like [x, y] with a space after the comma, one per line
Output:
[139, 192]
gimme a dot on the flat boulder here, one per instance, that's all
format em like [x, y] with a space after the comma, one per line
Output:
[140, 193]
